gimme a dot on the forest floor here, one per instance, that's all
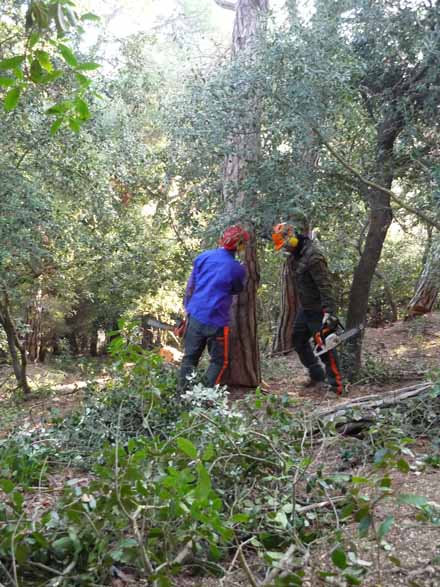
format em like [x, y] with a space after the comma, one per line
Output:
[395, 356]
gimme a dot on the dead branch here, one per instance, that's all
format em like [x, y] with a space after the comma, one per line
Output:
[377, 400]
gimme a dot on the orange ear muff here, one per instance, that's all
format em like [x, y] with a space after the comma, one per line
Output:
[278, 240]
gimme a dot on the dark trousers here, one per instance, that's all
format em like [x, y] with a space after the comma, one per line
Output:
[307, 323]
[197, 337]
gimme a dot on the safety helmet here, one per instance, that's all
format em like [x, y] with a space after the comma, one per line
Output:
[284, 234]
[233, 237]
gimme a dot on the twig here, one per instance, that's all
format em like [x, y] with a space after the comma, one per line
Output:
[14, 562]
[7, 573]
[253, 581]
[321, 504]
[148, 567]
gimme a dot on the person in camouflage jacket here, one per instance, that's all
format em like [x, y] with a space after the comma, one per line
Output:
[315, 292]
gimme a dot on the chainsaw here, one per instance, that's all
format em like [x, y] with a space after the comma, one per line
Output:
[330, 336]
[178, 328]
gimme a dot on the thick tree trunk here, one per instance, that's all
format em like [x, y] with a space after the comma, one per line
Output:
[16, 349]
[283, 339]
[244, 358]
[244, 367]
[426, 292]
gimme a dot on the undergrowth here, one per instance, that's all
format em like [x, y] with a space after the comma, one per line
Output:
[177, 481]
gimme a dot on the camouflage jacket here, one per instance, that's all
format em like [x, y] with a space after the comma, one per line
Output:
[313, 279]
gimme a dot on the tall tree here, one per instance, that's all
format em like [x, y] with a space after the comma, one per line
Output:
[244, 370]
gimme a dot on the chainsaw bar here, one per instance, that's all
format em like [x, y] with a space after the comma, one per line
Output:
[334, 340]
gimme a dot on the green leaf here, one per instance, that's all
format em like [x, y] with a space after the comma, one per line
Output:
[204, 484]
[36, 71]
[411, 499]
[187, 447]
[82, 109]
[359, 480]
[11, 99]
[83, 81]
[339, 558]
[44, 60]
[18, 499]
[12, 62]
[6, 82]
[74, 124]
[385, 526]
[68, 55]
[59, 108]
[380, 456]
[88, 66]
[364, 524]
[239, 518]
[403, 466]
[90, 16]
[7, 485]
[21, 552]
[208, 453]
[33, 39]
[50, 77]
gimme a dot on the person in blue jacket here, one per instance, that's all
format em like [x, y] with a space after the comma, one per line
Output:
[216, 277]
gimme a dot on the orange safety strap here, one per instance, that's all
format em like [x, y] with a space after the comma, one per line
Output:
[225, 339]
[336, 373]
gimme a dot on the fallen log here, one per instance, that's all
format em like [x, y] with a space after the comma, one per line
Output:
[377, 400]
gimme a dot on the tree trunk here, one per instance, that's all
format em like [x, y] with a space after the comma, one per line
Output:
[33, 338]
[283, 339]
[244, 358]
[93, 348]
[380, 219]
[426, 292]
[16, 349]
[244, 367]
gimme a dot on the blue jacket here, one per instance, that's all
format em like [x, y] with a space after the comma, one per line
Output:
[215, 278]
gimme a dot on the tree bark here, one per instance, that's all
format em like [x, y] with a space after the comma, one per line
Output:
[16, 349]
[33, 339]
[426, 292]
[380, 219]
[283, 339]
[244, 366]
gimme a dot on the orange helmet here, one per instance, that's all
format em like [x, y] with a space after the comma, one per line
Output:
[284, 234]
[233, 237]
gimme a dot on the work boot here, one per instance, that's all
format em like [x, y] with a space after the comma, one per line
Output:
[316, 373]
[313, 383]
[313, 387]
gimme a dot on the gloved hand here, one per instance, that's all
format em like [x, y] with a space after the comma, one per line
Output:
[329, 320]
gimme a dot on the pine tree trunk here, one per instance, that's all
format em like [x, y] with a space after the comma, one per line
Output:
[426, 292]
[244, 366]
[283, 339]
